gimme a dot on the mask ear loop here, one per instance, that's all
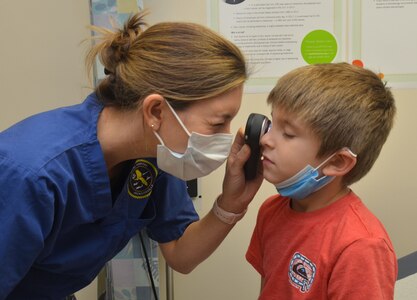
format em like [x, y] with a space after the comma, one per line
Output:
[350, 152]
[158, 137]
[327, 159]
[178, 118]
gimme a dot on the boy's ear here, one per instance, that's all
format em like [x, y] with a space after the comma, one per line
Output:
[340, 164]
[152, 107]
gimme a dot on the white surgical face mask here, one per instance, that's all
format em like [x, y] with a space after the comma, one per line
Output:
[203, 155]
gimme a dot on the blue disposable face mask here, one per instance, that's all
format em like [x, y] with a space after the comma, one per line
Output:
[306, 181]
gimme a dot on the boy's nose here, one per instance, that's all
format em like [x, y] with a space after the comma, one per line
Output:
[265, 140]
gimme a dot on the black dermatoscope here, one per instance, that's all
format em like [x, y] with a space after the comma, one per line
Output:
[256, 126]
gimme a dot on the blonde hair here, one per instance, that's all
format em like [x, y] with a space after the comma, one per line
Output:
[344, 105]
[178, 60]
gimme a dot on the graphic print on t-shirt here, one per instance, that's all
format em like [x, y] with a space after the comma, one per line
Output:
[141, 179]
[301, 272]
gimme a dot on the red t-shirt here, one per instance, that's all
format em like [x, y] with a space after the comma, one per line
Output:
[341, 251]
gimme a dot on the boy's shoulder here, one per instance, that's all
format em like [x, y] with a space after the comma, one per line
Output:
[348, 215]
[363, 222]
[273, 203]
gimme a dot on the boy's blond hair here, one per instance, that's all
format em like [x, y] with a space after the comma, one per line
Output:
[344, 105]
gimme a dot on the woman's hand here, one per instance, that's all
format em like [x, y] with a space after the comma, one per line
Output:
[201, 238]
[237, 191]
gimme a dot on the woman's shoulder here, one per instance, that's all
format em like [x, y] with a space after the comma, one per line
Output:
[40, 138]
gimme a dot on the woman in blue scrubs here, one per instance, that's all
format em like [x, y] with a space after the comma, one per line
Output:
[76, 183]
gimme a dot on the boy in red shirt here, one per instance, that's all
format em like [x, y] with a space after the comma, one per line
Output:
[316, 239]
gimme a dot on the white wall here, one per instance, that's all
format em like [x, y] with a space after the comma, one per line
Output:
[41, 65]
[41, 60]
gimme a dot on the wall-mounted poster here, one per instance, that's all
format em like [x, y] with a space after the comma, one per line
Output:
[383, 36]
[277, 36]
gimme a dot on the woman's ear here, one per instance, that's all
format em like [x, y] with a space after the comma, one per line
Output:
[152, 107]
[340, 164]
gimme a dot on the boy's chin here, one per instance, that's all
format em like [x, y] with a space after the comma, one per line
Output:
[270, 178]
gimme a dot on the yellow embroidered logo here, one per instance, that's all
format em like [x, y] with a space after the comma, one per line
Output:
[141, 179]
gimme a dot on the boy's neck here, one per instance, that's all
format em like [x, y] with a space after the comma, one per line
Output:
[322, 198]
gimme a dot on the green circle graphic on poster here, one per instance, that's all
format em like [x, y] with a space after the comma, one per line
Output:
[319, 46]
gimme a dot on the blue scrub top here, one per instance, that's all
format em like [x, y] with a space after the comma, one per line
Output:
[59, 222]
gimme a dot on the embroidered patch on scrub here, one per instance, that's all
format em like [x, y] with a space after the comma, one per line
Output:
[301, 272]
[141, 179]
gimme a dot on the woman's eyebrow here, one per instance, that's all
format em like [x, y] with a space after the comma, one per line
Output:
[225, 116]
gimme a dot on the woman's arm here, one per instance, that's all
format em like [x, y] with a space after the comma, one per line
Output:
[201, 238]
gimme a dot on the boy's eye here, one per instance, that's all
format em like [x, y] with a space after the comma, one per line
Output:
[288, 135]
